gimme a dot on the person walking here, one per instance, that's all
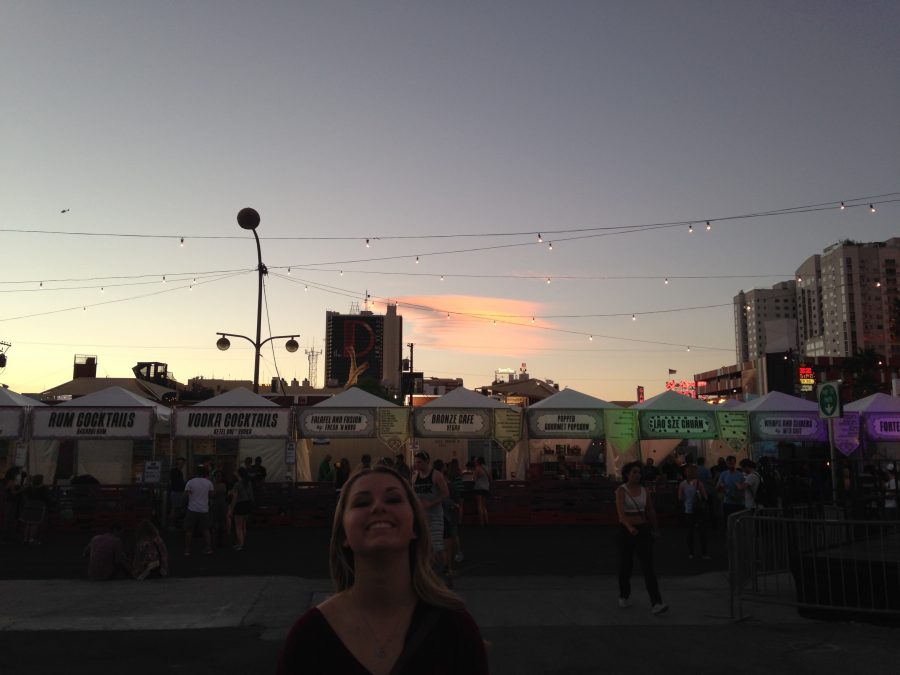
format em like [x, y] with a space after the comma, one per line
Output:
[176, 491]
[198, 491]
[637, 528]
[482, 488]
[695, 500]
[432, 490]
[750, 485]
[390, 613]
[727, 486]
[240, 507]
[34, 508]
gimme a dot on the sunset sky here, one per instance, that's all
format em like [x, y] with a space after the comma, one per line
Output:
[452, 133]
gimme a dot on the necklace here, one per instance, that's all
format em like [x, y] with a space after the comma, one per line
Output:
[380, 649]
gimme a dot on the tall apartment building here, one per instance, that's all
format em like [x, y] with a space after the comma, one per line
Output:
[765, 320]
[848, 300]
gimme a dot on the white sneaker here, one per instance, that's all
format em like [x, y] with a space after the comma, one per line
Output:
[623, 603]
[659, 608]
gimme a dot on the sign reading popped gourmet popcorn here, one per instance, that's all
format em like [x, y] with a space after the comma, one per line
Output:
[209, 422]
[565, 424]
[72, 422]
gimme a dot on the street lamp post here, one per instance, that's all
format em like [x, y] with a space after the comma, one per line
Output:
[248, 219]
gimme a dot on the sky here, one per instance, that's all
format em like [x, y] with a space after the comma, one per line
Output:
[449, 135]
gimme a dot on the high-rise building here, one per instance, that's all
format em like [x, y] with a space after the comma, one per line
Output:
[849, 300]
[363, 346]
[765, 320]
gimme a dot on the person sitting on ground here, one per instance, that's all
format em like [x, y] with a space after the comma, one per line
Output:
[34, 508]
[151, 557]
[106, 556]
[390, 613]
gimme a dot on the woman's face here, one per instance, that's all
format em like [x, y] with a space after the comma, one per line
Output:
[634, 474]
[378, 515]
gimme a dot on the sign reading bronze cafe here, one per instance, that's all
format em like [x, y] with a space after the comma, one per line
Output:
[450, 422]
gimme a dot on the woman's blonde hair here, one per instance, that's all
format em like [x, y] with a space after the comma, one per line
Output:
[425, 582]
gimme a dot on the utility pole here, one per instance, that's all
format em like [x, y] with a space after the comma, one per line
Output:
[412, 382]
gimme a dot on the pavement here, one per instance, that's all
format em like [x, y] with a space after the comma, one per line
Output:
[561, 619]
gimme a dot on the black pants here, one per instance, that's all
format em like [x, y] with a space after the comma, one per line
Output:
[696, 522]
[642, 544]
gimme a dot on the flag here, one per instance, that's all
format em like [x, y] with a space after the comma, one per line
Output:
[672, 372]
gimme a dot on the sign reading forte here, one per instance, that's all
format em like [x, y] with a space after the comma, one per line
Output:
[468, 422]
[337, 422]
[72, 422]
[203, 422]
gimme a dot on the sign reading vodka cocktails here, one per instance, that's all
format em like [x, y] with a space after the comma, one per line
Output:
[210, 422]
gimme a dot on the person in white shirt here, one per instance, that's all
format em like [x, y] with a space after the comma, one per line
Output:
[750, 485]
[199, 491]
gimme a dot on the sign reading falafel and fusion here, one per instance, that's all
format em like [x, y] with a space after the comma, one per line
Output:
[10, 422]
[677, 424]
[453, 422]
[798, 426]
[565, 423]
[101, 423]
[337, 422]
[209, 422]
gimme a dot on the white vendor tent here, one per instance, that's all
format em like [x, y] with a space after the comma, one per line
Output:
[880, 424]
[114, 432]
[235, 425]
[16, 446]
[778, 417]
[568, 424]
[349, 425]
[463, 424]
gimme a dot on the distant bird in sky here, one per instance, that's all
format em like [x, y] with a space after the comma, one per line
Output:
[64, 211]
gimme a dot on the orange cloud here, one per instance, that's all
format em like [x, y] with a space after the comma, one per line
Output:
[475, 324]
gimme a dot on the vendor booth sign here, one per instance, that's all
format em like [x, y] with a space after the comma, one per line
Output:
[677, 425]
[393, 427]
[99, 423]
[846, 432]
[10, 422]
[883, 427]
[507, 427]
[209, 422]
[788, 426]
[337, 422]
[734, 428]
[565, 424]
[453, 422]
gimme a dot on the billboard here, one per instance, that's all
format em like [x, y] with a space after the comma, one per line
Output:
[354, 345]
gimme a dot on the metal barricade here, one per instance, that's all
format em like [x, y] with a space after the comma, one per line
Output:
[817, 561]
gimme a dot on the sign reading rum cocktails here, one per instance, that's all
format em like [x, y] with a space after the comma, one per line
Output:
[73, 422]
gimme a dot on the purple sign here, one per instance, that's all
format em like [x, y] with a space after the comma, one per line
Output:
[883, 426]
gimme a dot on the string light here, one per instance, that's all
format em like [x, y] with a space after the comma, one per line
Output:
[551, 246]
[182, 242]
[548, 280]
[666, 282]
[532, 320]
[708, 226]
[442, 277]
[690, 229]
[877, 284]
[289, 271]
[843, 206]
[367, 244]
[591, 338]
[417, 260]
[799, 280]
[164, 278]
[101, 289]
[540, 238]
[872, 208]
[342, 272]
[305, 287]
[633, 317]
[448, 315]
[689, 348]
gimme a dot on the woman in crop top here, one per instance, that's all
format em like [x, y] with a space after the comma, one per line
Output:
[637, 528]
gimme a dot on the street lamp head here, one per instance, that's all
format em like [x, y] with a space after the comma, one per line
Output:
[248, 218]
[223, 343]
[291, 345]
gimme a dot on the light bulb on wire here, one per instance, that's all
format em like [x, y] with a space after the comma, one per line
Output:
[872, 208]
[842, 207]
[691, 229]
[708, 226]
[182, 242]
[417, 260]
[540, 238]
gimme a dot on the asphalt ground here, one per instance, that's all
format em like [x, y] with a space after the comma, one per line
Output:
[526, 550]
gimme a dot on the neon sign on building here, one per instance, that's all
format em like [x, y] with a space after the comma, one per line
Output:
[807, 378]
[685, 387]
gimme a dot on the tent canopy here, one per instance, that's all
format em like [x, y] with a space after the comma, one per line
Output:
[569, 399]
[672, 401]
[463, 398]
[117, 397]
[355, 398]
[12, 399]
[876, 403]
[239, 397]
[775, 401]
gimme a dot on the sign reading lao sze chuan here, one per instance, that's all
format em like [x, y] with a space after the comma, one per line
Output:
[677, 425]
[203, 422]
[10, 422]
[798, 426]
[71, 422]
[469, 422]
[337, 422]
[565, 423]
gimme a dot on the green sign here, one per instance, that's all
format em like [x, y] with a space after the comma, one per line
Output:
[829, 400]
[621, 429]
[734, 427]
[677, 424]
